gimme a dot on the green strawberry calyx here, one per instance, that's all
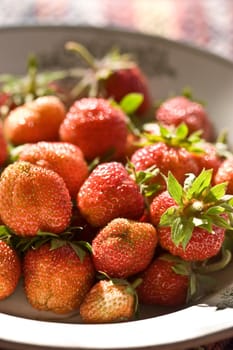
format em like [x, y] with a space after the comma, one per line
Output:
[176, 137]
[98, 70]
[198, 204]
[22, 244]
[145, 179]
[22, 89]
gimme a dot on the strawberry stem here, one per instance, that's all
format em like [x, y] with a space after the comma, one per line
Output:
[82, 51]
[32, 72]
[219, 265]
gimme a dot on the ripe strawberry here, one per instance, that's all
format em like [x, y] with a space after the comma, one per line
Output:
[34, 121]
[209, 158]
[167, 152]
[161, 285]
[225, 174]
[124, 81]
[65, 159]
[96, 127]
[56, 279]
[33, 198]
[203, 244]
[192, 221]
[10, 270]
[124, 247]
[179, 109]
[108, 302]
[108, 193]
[3, 147]
[113, 75]
[165, 158]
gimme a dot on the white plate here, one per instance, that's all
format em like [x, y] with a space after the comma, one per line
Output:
[171, 67]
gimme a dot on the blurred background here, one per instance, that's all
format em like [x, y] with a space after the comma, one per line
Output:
[204, 23]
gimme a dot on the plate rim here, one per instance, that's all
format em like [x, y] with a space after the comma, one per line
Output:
[194, 48]
[171, 43]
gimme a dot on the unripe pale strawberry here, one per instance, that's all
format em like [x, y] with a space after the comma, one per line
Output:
[108, 302]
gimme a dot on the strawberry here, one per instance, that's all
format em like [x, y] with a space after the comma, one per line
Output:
[10, 270]
[124, 247]
[65, 159]
[56, 279]
[3, 147]
[34, 121]
[95, 126]
[33, 198]
[208, 158]
[113, 76]
[108, 193]
[192, 221]
[225, 174]
[124, 81]
[167, 152]
[108, 301]
[180, 109]
[17, 90]
[162, 285]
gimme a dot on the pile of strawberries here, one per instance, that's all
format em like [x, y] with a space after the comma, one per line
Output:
[106, 201]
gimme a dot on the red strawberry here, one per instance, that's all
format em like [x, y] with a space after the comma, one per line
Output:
[161, 285]
[34, 121]
[124, 248]
[192, 224]
[10, 270]
[65, 159]
[96, 127]
[3, 147]
[56, 279]
[225, 173]
[108, 302]
[167, 151]
[33, 198]
[179, 109]
[209, 158]
[108, 193]
[113, 75]
[166, 158]
[125, 81]
[203, 245]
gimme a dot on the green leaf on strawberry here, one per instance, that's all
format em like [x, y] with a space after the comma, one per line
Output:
[198, 204]
[130, 103]
[174, 188]
[144, 179]
[177, 137]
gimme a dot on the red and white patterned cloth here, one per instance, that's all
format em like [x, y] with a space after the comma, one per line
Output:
[204, 23]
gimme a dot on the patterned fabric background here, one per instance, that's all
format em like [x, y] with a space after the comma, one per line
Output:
[204, 23]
